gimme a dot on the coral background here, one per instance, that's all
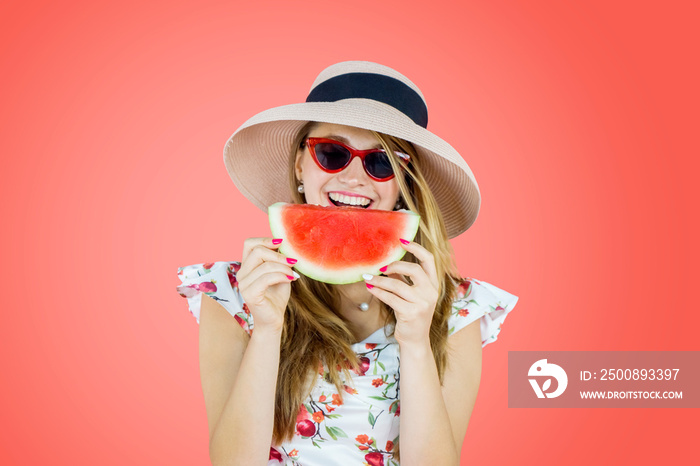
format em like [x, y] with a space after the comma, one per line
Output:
[579, 120]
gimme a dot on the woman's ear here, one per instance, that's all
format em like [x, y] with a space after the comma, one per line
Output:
[297, 164]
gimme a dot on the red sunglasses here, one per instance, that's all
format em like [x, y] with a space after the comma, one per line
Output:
[333, 156]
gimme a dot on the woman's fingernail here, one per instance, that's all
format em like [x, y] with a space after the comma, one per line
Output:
[290, 277]
[296, 275]
[383, 269]
[367, 276]
[369, 287]
[291, 261]
[276, 241]
[404, 241]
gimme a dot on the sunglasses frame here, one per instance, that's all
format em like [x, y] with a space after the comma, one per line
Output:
[311, 143]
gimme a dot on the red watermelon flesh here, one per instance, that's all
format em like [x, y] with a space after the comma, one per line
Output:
[338, 244]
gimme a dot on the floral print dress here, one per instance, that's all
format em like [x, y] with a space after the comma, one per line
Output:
[362, 427]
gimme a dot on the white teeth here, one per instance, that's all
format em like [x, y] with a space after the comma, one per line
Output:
[349, 200]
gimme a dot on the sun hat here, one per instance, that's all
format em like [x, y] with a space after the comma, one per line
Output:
[366, 95]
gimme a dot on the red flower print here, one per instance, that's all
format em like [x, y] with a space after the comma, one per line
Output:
[395, 408]
[208, 265]
[370, 346]
[322, 398]
[363, 367]
[232, 279]
[206, 287]
[241, 322]
[362, 438]
[245, 309]
[463, 312]
[336, 400]
[275, 455]
[187, 291]
[350, 390]
[377, 382]
[294, 452]
[330, 408]
[234, 267]
[363, 447]
[306, 428]
[317, 416]
[302, 414]
[463, 289]
[374, 459]
[389, 445]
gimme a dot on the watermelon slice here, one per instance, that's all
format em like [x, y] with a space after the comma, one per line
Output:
[339, 244]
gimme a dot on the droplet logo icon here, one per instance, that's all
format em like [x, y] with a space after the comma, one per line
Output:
[542, 369]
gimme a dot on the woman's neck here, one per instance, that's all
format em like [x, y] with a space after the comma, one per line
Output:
[361, 323]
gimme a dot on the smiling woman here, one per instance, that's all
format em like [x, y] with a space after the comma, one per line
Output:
[372, 371]
[334, 173]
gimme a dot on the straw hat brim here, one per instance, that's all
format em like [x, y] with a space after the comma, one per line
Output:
[256, 155]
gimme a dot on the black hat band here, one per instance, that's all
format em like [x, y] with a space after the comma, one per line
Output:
[373, 86]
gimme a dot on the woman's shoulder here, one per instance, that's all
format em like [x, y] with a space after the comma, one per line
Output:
[480, 300]
[218, 281]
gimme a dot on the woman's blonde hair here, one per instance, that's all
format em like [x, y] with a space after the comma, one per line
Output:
[315, 333]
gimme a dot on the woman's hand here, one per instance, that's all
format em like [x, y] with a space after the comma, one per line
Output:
[413, 305]
[264, 282]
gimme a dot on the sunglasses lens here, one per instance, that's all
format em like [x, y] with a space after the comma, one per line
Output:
[377, 164]
[331, 156]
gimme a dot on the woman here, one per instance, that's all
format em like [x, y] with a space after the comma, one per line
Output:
[318, 382]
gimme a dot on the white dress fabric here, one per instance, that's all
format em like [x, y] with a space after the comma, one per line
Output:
[362, 426]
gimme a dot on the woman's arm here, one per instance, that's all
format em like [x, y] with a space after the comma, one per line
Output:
[434, 419]
[239, 377]
[429, 435]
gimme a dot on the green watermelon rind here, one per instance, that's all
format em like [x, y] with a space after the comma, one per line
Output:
[337, 277]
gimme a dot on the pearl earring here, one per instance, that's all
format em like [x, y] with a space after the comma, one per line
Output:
[300, 188]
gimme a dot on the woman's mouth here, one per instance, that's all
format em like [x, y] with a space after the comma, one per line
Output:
[343, 200]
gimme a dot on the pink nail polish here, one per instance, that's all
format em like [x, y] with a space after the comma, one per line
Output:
[369, 287]
[291, 261]
[290, 277]
[383, 269]
[276, 241]
[404, 241]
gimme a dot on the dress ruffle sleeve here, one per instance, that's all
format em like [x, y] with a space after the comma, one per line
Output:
[477, 299]
[218, 281]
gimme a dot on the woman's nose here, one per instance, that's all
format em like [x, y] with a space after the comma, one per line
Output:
[354, 173]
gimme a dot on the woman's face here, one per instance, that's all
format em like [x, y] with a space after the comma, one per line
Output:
[352, 184]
